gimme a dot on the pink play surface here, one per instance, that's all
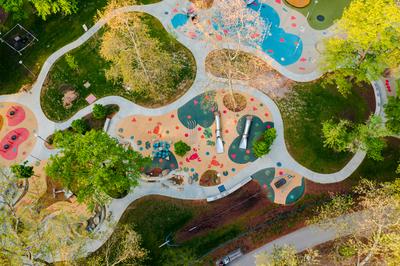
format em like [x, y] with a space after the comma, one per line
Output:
[16, 133]
[15, 115]
[10, 143]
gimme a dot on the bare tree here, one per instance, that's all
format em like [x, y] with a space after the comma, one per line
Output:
[25, 237]
[375, 235]
[138, 59]
[122, 247]
[231, 22]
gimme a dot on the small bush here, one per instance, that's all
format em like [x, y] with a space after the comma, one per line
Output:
[22, 170]
[71, 62]
[347, 251]
[80, 126]
[99, 111]
[181, 148]
[262, 146]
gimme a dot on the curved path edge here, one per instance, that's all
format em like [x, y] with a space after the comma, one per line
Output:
[306, 237]
[278, 152]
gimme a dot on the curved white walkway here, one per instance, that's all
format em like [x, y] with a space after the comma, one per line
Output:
[306, 237]
[200, 50]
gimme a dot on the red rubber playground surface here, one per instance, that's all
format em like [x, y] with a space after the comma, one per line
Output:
[17, 128]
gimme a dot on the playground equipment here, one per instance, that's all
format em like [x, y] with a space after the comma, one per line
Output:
[161, 150]
[243, 141]
[219, 144]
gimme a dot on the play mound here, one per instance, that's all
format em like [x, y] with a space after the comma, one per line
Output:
[298, 3]
[204, 4]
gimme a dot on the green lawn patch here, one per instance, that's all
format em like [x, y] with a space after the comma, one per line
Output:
[53, 34]
[91, 68]
[323, 14]
[303, 111]
[154, 219]
[382, 171]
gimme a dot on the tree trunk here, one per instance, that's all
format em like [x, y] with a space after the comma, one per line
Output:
[133, 38]
[372, 250]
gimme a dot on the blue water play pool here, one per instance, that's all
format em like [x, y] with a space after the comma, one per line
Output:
[179, 20]
[285, 48]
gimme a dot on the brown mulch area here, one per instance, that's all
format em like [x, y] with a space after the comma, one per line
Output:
[245, 66]
[252, 212]
[48, 199]
[203, 4]
[257, 216]
[250, 69]
[236, 203]
[316, 188]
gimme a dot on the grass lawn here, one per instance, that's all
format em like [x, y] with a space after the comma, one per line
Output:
[331, 10]
[53, 34]
[382, 171]
[91, 68]
[251, 221]
[304, 110]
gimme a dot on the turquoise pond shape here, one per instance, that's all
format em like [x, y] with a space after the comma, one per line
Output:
[198, 111]
[296, 193]
[179, 20]
[285, 48]
[257, 128]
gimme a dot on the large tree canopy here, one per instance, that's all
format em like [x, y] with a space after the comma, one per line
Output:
[365, 43]
[392, 111]
[44, 8]
[138, 59]
[344, 136]
[94, 166]
[374, 238]
[25, 237]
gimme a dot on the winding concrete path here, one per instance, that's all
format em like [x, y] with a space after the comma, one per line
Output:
[306, 237]
[200, 50]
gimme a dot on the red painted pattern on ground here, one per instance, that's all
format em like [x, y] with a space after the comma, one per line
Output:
[13, 139]
[17, 117]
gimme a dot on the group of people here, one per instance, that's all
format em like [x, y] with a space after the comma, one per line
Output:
[191, 13]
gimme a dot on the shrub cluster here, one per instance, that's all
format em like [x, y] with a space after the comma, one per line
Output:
[262, 146]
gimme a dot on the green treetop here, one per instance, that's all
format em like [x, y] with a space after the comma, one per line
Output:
[94, 166]
[344, 136]
[392, 111]
[365, 43]
[22, 170]
[44, 8]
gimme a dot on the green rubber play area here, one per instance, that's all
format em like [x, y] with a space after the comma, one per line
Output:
[322, 13]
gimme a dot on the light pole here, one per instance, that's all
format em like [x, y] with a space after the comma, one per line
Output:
[35, 157]
[22, 64]
[37, 136]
